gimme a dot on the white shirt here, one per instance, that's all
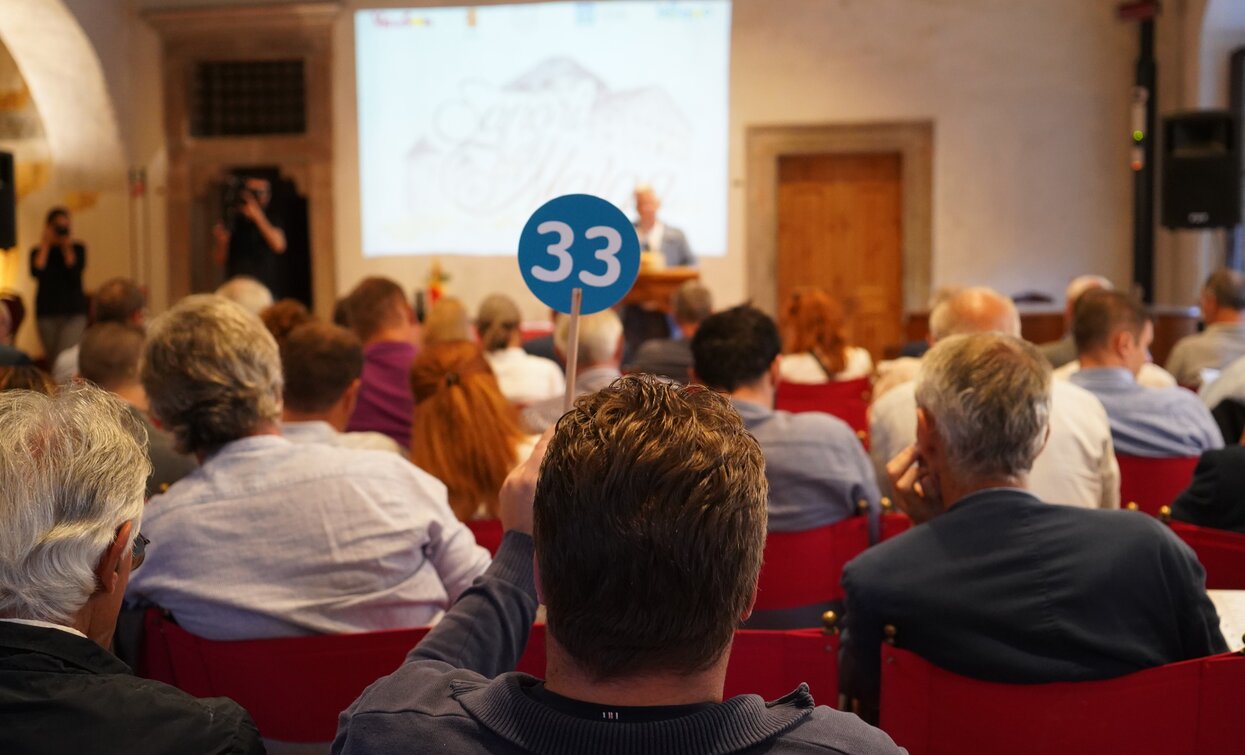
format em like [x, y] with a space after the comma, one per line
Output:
[318, 431]
[893, 373]
[275, 539]
[46, 625]
[1150, 375]
[1230, 384]
[526, 379]
[1077, 466]
[804, 367]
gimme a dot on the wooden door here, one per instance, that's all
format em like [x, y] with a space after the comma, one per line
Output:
[839, 227]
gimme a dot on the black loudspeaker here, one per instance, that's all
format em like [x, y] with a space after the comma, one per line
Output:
[8, 203]
[1201, 170]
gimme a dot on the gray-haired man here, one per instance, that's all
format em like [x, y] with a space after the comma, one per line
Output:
[269, 538]
[995, 584]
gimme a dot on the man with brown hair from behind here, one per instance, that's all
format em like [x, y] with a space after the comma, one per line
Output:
[322, 364]
[380, 316]
[647, 561]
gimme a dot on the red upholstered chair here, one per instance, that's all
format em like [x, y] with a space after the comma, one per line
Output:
[488, 533]
[846, 399]
[771, 663]
[1221, 552]
[1153, 483]
[804, 568]
[893, 522]
[531, 330]
[1178, 709]
[293, 687]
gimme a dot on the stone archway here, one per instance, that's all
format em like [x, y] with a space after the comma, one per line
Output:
[67, 85]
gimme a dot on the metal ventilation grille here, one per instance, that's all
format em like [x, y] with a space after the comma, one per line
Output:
[248, 98]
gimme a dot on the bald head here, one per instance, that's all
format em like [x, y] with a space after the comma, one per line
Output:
[974, 310]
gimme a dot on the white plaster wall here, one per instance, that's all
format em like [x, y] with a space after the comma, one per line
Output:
[1029, 102]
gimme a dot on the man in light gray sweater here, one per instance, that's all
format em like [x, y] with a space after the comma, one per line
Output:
[647, 562]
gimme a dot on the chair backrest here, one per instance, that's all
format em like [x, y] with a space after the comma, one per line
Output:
[771, 663]
[892, 522]
[1153, 483]
[846, 399]
[1178, 709]
[488, 533]
[804, 568]
[1222, 554]
[294, 687]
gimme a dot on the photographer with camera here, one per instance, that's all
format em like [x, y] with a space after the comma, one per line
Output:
[60, 304]
[249, 240]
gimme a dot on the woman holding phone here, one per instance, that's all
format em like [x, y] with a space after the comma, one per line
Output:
[60, 304]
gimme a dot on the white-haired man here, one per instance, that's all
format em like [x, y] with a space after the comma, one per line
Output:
[600, 353]
[993, 583]
[270, 538]
[1078, 465]
[72, 472]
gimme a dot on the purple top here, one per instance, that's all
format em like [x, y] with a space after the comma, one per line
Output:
[385, 402]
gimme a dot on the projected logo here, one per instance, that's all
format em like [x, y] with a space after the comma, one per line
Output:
[495, 150]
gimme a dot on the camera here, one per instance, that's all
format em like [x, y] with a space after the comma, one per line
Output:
[60, 231]
[234, 196]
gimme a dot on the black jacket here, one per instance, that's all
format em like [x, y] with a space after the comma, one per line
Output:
[1216, 497]
[1005, 588]
[60, 693]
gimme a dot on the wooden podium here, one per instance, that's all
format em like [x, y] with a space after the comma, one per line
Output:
[653, 289]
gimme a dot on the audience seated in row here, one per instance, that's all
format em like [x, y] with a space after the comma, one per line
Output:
[118, 300]
[647, 562]
[1213, 499]
[284, 316]
[322, 366]
[1223, 342]
[269, 538]
[26, 377]
[995, 584]
[523, 378]
[815, 347]
[10, 355]
[671, 358]
[599, 356]
[1062, 353]
[816, 468]
[1113, 333]
[447, 321]
[109, 357]
[247, 293]
[379, 314]
[71, 542]
[1229, 386]
[1077, 465]
[464, 433]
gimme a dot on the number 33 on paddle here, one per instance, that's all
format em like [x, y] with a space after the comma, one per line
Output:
[578, 254]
